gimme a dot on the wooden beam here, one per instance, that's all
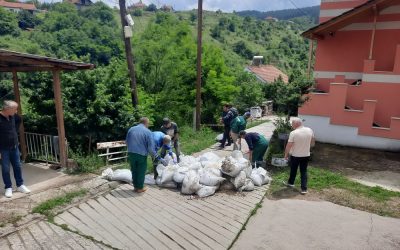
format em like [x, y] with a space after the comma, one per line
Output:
[28, 61]
[60, 118]
[21, 127]
[25, 69]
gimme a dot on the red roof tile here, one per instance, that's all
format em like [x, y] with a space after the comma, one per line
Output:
[268, 73]
[24, 6]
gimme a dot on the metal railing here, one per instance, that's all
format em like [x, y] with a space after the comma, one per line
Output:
[115, 151]
[42, 147]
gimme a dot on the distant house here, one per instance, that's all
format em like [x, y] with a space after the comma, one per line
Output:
[17, 6]
[167, 8]
[138, 6]
[266, 73]
[80, 4]
[271, 19]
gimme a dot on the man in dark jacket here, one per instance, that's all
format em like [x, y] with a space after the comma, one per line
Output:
[258, 145]
[9, 123]
[229, 113]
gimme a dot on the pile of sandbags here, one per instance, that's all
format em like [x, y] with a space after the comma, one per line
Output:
[208, 173]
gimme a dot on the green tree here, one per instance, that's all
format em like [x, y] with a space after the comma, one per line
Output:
[8, 23]
[27, 20]
[152, 7]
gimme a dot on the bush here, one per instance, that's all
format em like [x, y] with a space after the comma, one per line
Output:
[138, 12]
[87, 164]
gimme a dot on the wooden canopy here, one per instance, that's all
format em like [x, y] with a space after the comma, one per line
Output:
[11, 61]
[20, 62]
[336, 23]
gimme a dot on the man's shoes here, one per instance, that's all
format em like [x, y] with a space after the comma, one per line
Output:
[141, 190]
[221, 146]
[8, 193]
[303, 192]
[288, 185]
[23, 189]
[228, 144]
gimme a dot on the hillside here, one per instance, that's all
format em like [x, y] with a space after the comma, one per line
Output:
[98, 102]
[310, 12]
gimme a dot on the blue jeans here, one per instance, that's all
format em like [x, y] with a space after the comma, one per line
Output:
[11, 156]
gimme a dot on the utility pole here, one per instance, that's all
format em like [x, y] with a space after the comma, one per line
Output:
[199, 50]
[129, 54]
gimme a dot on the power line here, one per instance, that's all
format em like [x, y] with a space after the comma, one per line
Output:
[299, 9]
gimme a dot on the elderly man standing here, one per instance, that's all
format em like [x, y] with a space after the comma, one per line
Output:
[9, 124]
[140, 144]
[300, 141]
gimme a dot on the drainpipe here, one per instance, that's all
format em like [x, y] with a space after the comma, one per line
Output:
[310, 54]
[374, 8]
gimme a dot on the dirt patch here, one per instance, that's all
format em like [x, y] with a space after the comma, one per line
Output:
[346, 159]
[342, 197]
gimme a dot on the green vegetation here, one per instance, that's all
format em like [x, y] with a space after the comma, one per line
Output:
[97, 103]
[254, 123]
[89, 163]
[46, 208]
[289, 14]
[192, 142]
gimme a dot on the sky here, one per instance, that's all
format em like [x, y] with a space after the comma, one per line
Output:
[226, 5]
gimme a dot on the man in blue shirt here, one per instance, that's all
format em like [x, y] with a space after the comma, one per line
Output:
[164, 142]
[140, 143]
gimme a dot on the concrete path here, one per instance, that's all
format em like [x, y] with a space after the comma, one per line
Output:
[44, 235]
[299, 224]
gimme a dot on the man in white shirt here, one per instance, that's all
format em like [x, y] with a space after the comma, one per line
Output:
[300, 141]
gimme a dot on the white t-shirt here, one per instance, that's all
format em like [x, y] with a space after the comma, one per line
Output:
[301, 138]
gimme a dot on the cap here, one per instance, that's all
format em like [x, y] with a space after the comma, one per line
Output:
[247, 114]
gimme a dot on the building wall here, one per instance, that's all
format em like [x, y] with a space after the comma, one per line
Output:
[332, 8]
[346, 135]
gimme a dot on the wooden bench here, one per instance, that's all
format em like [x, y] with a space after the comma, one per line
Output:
[115, 150]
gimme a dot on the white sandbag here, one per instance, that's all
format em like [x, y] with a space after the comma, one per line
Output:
[180, 174]
[170, 184]
[212, 164]
[215, 171]
[219, 137]
[107, 174]
[226, 186]
[245, 165]
[190, 184]
[149, 179]
[171, 159]
[229, 167]
[195, 166]
[206, 191]
[124, 175]
[160, 168]
[239, 180]
[262, 171]
[168, 173]
[256, 178]
[266, 180]
[237, 154]
[248, 186]
[209, 179]
[187, 160]
[209, 156]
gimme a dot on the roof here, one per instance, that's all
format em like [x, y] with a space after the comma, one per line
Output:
[24, 6]
[22, 62]
[139, 4]
[344, 19]
[268, 73]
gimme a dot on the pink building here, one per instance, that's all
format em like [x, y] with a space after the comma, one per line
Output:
[357, 74]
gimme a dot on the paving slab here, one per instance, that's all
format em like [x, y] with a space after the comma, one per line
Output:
[299, 224]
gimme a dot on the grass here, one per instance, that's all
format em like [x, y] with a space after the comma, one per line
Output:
[320, 179]
[255, 123]
[46, 208]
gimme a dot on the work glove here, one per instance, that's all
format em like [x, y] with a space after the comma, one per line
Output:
[164, 162]
[170, 154]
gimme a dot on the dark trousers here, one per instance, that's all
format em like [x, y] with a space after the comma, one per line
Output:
[138, 165]
[295, 162]
[11, 156]
[226, 137]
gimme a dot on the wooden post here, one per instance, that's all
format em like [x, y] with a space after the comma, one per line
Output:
[199, 50]
[373, 33]
[310, 56]
[60, 118]
[129, 54]
[21, 127]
